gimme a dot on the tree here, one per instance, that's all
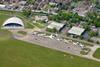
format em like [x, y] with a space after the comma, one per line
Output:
[63, 6]
[27, 12]
[75, 18]
[93, 18]
[92, 33]
[30, 1]
[97, 24]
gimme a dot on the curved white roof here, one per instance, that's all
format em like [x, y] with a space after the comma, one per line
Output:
[14, 20]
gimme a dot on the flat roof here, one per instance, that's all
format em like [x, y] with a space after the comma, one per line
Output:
[76, 30]
[56, 25]
[41, 17]
[2, 6]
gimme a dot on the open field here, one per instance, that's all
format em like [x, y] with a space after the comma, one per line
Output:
[14, 53]
[3, 18]
[97, 53]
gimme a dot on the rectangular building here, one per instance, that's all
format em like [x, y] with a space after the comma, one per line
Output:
[76, 31]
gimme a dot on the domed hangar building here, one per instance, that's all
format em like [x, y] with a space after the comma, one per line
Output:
[13, 23]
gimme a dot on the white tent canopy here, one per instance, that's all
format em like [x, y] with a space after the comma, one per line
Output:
[13, 20]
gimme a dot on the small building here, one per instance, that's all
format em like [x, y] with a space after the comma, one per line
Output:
[56, 25]
[11, 1]
[95, 39]
[82, 8]
[41, 18]
[13, 23]
[76, 31]
[2, 6]
[22, 2]
[52, 3]
[93, 28]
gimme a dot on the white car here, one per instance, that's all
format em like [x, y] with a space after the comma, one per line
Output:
[81, 45]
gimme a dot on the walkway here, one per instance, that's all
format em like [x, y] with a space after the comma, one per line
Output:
[90, 54]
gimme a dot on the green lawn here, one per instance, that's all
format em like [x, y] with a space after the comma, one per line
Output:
[14, 53]
[3, 18]
[97, 53]
[40, 24]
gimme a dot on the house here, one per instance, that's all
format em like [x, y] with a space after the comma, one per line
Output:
[82, 8]
[76, 31]
[95, 39]
[93, 28]
[56, 25]
[11, 1]
[22, 2]
[59, 1]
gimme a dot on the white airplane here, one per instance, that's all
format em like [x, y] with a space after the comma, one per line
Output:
[51, 36]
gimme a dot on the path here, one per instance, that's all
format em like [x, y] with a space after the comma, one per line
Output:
[90, 54]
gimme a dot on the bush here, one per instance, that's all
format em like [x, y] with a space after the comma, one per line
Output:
[54, 30]
[85, 51]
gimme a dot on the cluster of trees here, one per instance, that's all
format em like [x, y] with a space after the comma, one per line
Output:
[68, 16]
[92, 33]
[93, 18]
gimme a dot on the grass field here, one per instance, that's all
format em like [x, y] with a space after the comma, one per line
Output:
[3, 18]
[14, 53]
[97, 53]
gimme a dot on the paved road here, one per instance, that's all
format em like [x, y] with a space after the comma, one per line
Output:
[90, 54]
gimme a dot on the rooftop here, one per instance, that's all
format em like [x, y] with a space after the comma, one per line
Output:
[56, 25]
[76, 30]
